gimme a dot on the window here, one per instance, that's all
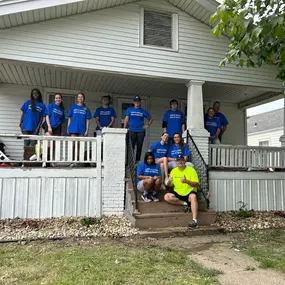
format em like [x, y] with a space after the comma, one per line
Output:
[263, 143]
[159, 29]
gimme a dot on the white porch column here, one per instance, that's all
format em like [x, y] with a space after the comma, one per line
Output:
[113, 186]
[282, 138]
[195, 117]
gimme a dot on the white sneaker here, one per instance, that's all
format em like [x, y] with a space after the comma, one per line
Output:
[163, 187]
[33, 157]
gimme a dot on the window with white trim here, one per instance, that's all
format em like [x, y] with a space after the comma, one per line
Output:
[159, 29]
[263, 143]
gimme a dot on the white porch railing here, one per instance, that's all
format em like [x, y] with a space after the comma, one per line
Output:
[58, 149]
[228, 156]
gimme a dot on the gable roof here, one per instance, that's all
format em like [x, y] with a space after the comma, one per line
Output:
[21, 12]
[265, 121]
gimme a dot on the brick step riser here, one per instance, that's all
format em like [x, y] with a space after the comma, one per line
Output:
[180, 221]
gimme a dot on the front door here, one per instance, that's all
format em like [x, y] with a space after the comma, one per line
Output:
[123, 104]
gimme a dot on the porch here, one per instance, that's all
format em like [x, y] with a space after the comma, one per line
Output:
[97, 185]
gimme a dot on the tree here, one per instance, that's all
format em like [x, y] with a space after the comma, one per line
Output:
[256, 29]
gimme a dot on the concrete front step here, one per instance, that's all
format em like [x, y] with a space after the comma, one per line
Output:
[172, 219]
[163, 207]
[181, 232]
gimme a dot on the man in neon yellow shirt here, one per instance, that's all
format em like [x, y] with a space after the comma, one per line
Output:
[185, 181]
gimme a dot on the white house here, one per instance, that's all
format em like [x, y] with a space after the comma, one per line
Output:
[265, 129]
[158, 49]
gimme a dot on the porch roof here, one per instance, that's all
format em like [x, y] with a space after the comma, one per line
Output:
[85, 80]
[22, 12]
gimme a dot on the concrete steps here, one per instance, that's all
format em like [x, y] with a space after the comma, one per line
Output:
[158, 215]
[172, 219]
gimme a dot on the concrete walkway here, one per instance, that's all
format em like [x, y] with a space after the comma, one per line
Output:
[237, 268]
[217, 252]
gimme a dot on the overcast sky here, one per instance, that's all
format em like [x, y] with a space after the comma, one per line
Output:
[266, 107]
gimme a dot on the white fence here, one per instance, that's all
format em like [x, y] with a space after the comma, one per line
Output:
[58, 149]
[37, 192]
[258, 190]
[228, 156]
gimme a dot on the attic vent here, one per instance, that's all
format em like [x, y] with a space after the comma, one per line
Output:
[159, 29]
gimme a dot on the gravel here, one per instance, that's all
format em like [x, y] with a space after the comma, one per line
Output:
[118, 226]
[27, 229]
[259, 220]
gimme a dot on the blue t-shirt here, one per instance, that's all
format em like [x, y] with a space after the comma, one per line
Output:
[136, 118]
[212, 125]
[175, 150]
[159, 150]
[222, 118]
[32, 118]
[56, 115]
[148, 170]
[105, 116]
[78, 115]
[175, 120]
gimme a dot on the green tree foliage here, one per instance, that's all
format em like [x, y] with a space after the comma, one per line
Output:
[256, 29]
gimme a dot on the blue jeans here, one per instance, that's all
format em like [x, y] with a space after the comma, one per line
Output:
[28, 142]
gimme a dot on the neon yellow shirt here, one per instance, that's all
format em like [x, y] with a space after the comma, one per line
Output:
[180, 188]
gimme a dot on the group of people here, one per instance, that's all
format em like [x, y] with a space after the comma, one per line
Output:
[169, 154]
[79, 115]
[172, 154]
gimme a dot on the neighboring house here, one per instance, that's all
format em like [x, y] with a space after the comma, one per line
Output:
[157, 49]
[265, 129]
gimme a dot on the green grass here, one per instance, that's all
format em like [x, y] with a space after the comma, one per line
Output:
[105, 264]
[267, 247]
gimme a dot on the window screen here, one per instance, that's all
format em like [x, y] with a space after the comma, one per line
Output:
[263, 143]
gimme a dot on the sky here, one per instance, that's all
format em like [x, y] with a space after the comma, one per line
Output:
[277, 104]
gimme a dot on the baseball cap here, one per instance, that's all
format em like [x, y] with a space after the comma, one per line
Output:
[180, 157]
[137, 98]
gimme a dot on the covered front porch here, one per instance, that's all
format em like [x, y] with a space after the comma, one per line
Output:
[194, 96]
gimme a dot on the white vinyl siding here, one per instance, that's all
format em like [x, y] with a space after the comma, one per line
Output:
[108, 40]
[272, 136]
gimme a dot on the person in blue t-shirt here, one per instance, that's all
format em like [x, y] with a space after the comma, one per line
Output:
[135, 119]
[223, 120]
[33, 111]
[149, 178]
[79, 117]
[178, 148]
[160, 150]
[105, 115]
[213, 126]
[54, 117]
[173, 121]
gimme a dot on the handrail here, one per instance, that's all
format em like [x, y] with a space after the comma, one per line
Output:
[206, 197]
[231, 156]
[55, 149]
[131, 162]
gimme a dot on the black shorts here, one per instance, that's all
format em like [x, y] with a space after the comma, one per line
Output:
[55, 131]
[184, 198]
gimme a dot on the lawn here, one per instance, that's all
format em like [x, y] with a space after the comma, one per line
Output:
[106, 263]
[266, 246]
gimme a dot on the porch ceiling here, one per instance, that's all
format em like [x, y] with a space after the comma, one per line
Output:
[59, 78]
[22, 12]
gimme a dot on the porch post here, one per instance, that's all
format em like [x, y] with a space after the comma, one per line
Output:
[113, 186]
[282, 138]
[195, 117]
